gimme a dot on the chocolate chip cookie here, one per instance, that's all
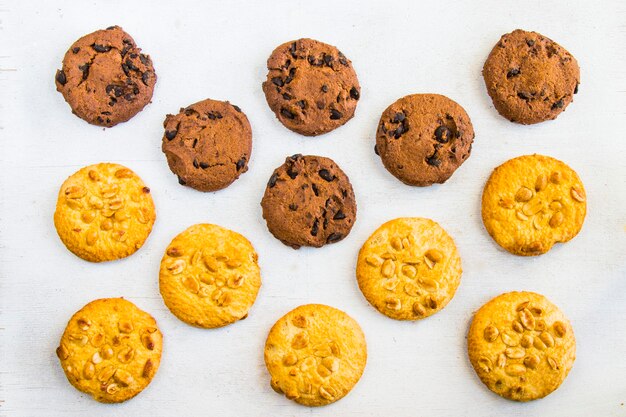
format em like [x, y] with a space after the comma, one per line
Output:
[530, 78]
[423, 138]
[208, 144]
[309, 202]
[105, 78]
[311, 87]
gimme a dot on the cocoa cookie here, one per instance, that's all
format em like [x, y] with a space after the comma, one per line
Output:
[309, 201]
[423, 138]
[311, 86]
[105, 78]
[530, 78]
[208, 144]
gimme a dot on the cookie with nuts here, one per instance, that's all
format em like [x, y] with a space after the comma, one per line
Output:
[110, 350]
[105, 77]
[532, 202]
[423, 138]
[104, 212]
[209, 276]
[208, 144]
[311, 86]
[409, 268]
[315, 354]
[521, 346]
[309, 201]
[530, 78]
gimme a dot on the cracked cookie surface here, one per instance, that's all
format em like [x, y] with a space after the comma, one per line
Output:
[530, 78]
[532, 202]
[110, 350]
[311, 86]
[209, 276]
[309, 201]
[105, 78]
[521, 346]
[409, 268]
[104, 212]
[208, 144]
[315, 354]
[423, 138]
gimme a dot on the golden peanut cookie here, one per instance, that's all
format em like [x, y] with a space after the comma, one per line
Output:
[521, 346]
[315, 354]
[110, 350]
[209, 276]
[531, 202]
[104, 212]
[409, 268]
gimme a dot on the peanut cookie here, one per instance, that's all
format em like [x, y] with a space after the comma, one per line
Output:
[208, 144]
[409, 268]
[530, 78]
[104, 212]
[521, 346]
[315, 354]
[531, 202]
[209, 276]
[309, 202]
[105, 78]
[423, 138]
[311, 87]
[110, 350]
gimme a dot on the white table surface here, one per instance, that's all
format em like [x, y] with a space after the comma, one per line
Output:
[218, 49]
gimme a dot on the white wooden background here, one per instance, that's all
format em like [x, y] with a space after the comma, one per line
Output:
[218, 49]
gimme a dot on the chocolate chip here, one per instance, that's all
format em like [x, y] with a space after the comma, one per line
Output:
[292, 73]
[328, 59]
[237, 109]
[320, 105]
[398, 132]
[196, 164]
[354, 93]
[278, 81]
[326, 175]
[558, 105]
[325, 88]
[286, 113]
[146, 190]
[376, 150]
[100, 119]
[292, 50]
[293, 207]
[131, 66]
[325, 222]
[340, 215]
[576, 89]
[314, 229]
[292, 174]
[443, 134]
[286, 96]
[85, 69]
[126, 70]
[195, 142]
[111, 27]
[101, 48]
[60, 77]
[204, 165]
[129, 97]
[524, 96]
[144, 59]
[272, 182]
[301, 104]
[76, 49]
[316, 191]
[296, 156]
[530, 42]
[144, 78]
[334, 237]
[343, 59]
[398, 117]
[513, 73]
[241, 163]
[181, 181]
[433, 160]
[335, 115]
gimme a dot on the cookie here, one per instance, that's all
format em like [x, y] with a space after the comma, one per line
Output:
[309, 201]
[530, 78]
[409, 268]
[531, 202]
[208, 144]
[110, 350]
[315, 354]
[105, 78]
[311, 87]
[209, 276]
[521, 346]
[423, 138]
[104, 212]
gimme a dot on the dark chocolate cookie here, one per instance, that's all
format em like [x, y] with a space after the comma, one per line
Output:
[208, 144]
[105, 78]
[311, 86]
[423, 138]
[309, 202]
[530, 78]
